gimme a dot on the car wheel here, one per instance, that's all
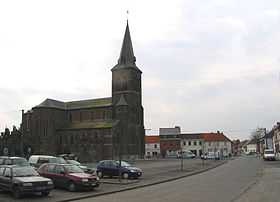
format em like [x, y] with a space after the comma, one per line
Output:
[45, 193]
[125, 175]
[16, 192]
[99, 174]
[71, 186]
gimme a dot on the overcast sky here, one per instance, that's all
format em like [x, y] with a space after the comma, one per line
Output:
[207, 65]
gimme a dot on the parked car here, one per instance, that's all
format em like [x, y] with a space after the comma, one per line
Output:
[269, 154]
[37, 160]
[6, 160]
[113, 168]
[84, 168]
[68, 176]
[186, 155]
[23, 180]
[211, 155]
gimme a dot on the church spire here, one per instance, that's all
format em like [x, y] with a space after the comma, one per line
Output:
[127, 55]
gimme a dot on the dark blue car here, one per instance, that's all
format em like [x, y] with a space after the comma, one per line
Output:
[111, 168]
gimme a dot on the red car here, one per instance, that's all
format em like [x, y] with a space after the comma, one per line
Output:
[68, 176]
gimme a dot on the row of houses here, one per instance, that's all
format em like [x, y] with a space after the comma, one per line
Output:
[263, 140]
[170, 141]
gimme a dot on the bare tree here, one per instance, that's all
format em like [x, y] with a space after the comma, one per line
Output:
[257, 133]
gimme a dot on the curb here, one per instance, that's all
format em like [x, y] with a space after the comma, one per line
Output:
[121, 183]
[144, 185]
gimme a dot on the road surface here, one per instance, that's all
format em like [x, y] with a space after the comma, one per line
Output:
[226, 183]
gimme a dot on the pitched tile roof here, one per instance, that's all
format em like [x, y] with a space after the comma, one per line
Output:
[151, 139]
[80, 104]
[214, 137]
[99, 102]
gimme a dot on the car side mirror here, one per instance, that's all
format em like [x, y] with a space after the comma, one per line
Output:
[62, 172]
[8, 176]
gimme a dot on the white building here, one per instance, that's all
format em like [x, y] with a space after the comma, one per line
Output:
[152, 146]
[252, 146]
[218, 143]
[192, 142]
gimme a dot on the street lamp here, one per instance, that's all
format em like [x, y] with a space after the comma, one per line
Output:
[203, 152]
[182, 160]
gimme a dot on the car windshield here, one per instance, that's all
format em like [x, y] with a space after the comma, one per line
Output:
[21, 162]
[73, 162]
[24, 172]
[73, 169]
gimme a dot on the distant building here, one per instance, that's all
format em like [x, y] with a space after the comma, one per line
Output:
[268, 140]
[217, 142]
[152, 146]
[172, 141]
[192, 142]
[276, 139]
[169, 141]
[236, 147]
[243, 145]
[252, 146]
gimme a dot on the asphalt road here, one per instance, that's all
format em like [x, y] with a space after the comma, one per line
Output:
[267, 187]
[222, 184]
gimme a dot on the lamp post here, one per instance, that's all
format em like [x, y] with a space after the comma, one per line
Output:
[120, 155]
[182, 160]
[203, 152]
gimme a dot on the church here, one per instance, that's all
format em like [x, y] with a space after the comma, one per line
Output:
[94, 129]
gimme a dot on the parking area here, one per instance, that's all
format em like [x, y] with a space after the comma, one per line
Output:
[153, 171]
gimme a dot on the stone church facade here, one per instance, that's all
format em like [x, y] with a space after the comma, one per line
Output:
[95, 129]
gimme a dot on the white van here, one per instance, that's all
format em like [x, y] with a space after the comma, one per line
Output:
[269, 154]
[185, 155]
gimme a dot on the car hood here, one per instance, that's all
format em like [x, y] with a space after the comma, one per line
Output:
[32, 179]
[133, 168]
[81, 175]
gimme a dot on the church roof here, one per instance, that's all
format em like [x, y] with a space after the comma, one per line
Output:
[100, 102]
[127, 58]
[50, 103]
[80, 104]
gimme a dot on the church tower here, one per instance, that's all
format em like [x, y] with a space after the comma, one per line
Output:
[127, 101]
